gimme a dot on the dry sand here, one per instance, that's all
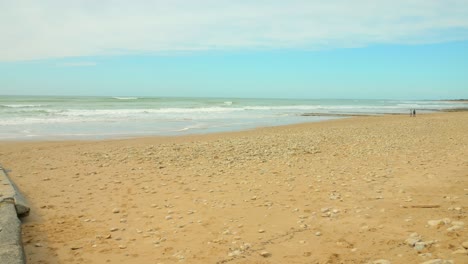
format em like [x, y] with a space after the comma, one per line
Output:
[343, 191]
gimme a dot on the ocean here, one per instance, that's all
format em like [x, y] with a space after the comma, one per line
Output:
[62, 118]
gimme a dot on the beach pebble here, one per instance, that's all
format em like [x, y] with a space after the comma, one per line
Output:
[122, 246]
[381, 261]
[334, 196]
[113, 229]
[261, 231]
[419, 246]
[425, 255]
[318, 233]
[38, 245]
[438, 261]
[465, 244]
[411, 241]
[265, 254]
[169, 217]
[435, 223]
[116, 210]
[454, 228]
[461, 251]
[234, 253]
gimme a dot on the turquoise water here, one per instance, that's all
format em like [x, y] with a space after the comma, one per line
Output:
[34, 117]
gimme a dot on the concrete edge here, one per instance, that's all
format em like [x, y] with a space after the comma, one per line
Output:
[12, 205]
[11, 245]
[21, 205]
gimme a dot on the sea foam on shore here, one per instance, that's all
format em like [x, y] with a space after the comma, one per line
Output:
[39, 118]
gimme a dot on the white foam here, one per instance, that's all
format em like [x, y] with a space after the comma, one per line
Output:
[125, 98]
[86, 118]
[23, 105]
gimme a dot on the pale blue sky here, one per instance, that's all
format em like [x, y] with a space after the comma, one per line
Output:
[284, 49]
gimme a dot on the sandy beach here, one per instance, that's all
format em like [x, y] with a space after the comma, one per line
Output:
[357, 190]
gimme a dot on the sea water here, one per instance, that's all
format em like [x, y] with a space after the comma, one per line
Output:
[59, 118]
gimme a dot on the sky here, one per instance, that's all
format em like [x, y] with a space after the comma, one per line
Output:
[399, 49]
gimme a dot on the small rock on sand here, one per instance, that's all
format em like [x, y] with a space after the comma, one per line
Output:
[438, 261]
[381, 261]
[234, 253]
[265, 254]
[413, 239]
[465, 244]
[419, 246]
[460, 251]
[434, 223]
[116, 211]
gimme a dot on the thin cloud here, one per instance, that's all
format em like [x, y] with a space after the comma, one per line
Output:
[56, 29]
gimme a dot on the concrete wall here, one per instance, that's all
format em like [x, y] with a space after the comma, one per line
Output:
[12, 205]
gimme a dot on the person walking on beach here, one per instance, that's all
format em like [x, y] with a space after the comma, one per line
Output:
[414, 112]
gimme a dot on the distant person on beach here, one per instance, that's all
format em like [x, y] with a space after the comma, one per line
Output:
[414, 112]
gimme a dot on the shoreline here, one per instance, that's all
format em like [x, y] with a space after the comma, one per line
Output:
[132, 136]
[98, 118]
[345, 190]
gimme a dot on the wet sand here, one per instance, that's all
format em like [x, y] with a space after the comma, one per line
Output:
[344, 191]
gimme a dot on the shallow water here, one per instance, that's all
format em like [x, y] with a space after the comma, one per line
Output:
[41, 117]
